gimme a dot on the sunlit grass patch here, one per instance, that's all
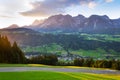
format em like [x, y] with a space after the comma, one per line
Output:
[113, 76]
[91, 76]
[36, 65]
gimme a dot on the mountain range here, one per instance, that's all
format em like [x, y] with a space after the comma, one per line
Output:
[68, 24]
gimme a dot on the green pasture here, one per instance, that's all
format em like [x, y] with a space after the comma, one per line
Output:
[47, 75]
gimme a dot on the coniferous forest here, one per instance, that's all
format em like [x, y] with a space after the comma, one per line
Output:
[10, 53]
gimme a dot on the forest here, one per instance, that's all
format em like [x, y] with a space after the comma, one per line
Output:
[10, 53]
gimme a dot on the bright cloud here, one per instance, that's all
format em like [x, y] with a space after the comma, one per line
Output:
[92, 5]
[4, 16]
[109, 1]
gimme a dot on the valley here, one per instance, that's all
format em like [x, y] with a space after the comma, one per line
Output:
[98, 46]
[59, 40]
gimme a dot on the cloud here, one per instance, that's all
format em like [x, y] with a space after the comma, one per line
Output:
[12, 8]
[4, 16]
[49, 7]
[92, 5]
[109, 1]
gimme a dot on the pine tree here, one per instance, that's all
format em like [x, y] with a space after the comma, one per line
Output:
[19, 55]
[8, 53]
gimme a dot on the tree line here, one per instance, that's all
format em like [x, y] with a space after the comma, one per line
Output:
[82, 62]
[44, 59]
[112, 64]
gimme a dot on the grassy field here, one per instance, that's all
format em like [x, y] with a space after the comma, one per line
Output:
[46, 75]
[48, 66]
[24, 65]
[42, 65]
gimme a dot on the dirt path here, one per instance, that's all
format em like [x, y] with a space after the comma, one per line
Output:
[86, 70]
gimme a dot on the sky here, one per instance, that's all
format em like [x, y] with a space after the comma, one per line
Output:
[24, 12]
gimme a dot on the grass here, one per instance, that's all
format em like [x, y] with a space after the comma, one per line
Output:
[102, 37]
[51, 66]
[47, 75]
[42, 65]
[48, 66]
[23, 65]
[13, 65]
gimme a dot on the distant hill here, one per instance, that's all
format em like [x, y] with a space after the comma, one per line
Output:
[12, 26]
[17, 30]
[67, 23]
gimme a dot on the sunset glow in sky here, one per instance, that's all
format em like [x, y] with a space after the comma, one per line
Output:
[24, 12]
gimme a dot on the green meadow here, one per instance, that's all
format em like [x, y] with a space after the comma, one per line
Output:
[53, 75]
[47, 75]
